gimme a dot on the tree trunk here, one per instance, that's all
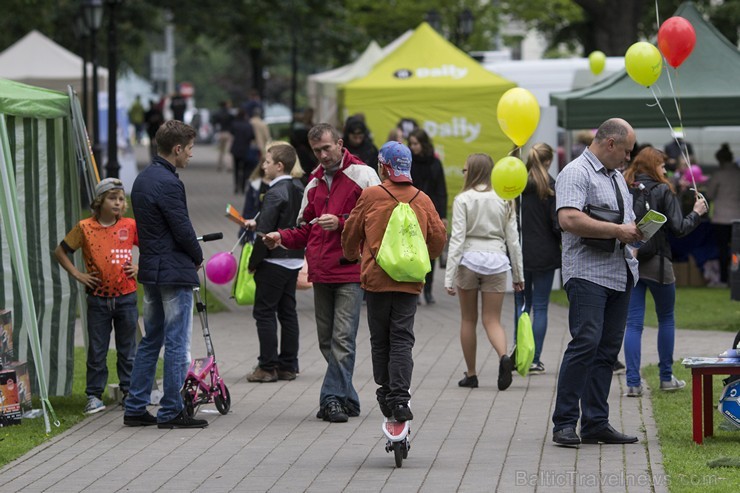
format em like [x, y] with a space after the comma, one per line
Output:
[255, 57]
[613, 24]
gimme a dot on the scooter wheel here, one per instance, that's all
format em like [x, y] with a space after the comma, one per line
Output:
[398, 453]
[223, 400]
[187, 399]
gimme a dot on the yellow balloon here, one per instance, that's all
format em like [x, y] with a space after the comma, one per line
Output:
[643, 63]
[518, 114]
[509, 177]
[597, 62]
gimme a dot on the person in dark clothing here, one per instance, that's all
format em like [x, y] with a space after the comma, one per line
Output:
[153, 119]
[656, 271]
[276, 271]
[299, 140]
[358, 142]
[540, 241]
[222, 120]
[242, 150]
[178, 105]
[429, 177]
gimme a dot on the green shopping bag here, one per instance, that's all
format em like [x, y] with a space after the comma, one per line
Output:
[243, 288]
[403, 253]
[524, 350]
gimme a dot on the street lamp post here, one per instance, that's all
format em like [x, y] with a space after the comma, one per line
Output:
[434, 19]
[112, 167]
[93, 10]
[82, 33]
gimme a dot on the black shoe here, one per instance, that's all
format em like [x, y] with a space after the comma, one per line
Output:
[609, 436]
[351, 412]
[402, 413]
[385, 409]
[470, 382]
[145, 419]
[566, 437]
[505, 367]
[619, 368]
[334, 413]
[182, 420]
[286, 375]
[429, 298]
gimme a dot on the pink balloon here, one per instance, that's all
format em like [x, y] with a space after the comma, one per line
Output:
[221, 268]
[676, 40]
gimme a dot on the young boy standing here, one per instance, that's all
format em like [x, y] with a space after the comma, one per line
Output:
[276, 271]
[106, 239]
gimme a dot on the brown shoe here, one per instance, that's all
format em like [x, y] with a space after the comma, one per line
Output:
[286, 375]
[262, 376]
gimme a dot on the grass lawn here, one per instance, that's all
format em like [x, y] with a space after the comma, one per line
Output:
[17, 440]
[696, 308]
[686, 463]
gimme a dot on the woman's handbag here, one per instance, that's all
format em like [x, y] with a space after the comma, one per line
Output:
[244, 287]
[606, 215]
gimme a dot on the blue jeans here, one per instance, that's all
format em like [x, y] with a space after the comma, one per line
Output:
[665, 302]
[596, 319]
[535, 298]
[337, 308]
[103, 314]
[168, 320]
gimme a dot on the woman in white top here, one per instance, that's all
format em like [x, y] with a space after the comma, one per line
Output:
[483, 229]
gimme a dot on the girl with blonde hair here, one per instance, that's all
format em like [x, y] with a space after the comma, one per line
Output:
[483, 230]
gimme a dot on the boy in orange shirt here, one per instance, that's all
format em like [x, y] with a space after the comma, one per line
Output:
[106, 239]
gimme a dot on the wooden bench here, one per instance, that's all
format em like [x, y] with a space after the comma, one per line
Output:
[702, 400]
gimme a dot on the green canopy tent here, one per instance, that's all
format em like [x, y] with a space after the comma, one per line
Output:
[706, 85]
[39, 203]
[448, 93]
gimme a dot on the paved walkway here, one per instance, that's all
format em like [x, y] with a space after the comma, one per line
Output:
[462, 439]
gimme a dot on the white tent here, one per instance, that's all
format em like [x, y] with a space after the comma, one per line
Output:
[37, 60]
[322, 87]
[542, 77]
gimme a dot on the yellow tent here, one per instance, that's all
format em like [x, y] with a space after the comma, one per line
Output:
[448, 93]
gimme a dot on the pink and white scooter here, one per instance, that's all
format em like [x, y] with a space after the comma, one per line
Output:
[203, 384]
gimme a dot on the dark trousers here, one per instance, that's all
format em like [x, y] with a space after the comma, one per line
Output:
[597, 318]
[429, 281]
[274, 300]
[103, 315]
[243, 167]
[723, 235]
[390, 316]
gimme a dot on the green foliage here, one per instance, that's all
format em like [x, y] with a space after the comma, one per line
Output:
[17, 440]
[685, 462]
[696, 308]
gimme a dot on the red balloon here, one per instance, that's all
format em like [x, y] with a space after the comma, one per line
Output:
[676, 40]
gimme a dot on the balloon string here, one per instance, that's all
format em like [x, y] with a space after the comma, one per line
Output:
[657, 15]
[238, 241]
[670, 127]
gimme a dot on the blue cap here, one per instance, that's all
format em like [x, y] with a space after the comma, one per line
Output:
[398, 158]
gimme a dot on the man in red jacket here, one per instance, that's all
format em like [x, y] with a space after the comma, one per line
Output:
[331, 194]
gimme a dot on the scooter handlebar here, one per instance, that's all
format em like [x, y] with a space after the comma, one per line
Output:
[210, 237]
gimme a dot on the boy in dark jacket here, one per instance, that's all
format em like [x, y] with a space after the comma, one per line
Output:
[168, 262]
[276, 271]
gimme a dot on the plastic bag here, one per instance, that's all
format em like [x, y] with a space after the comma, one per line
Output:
[244, 287]
[524, 351]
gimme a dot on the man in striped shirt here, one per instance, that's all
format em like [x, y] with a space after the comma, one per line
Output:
[598, 284]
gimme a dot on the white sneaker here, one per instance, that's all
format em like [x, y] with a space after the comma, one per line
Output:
[94, 405]
[672, 384]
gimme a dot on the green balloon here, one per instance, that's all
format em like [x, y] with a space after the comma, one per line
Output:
[509, 177]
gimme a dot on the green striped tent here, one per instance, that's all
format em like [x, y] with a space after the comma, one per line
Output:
[40, 202]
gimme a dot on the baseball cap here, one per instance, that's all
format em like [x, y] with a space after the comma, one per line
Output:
[108, 184]
[397, 157]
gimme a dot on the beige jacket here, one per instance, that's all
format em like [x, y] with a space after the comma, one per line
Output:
[483, 222]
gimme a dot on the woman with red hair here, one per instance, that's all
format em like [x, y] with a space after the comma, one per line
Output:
[647, 173]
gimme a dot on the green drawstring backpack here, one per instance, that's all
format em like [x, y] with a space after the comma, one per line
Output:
[524, 350]
[244, 287]
[403, 253]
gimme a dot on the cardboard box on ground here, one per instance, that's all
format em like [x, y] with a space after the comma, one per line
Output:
[15, 379]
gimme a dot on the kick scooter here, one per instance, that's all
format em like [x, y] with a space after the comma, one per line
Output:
[399, 438]
[203, 384]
